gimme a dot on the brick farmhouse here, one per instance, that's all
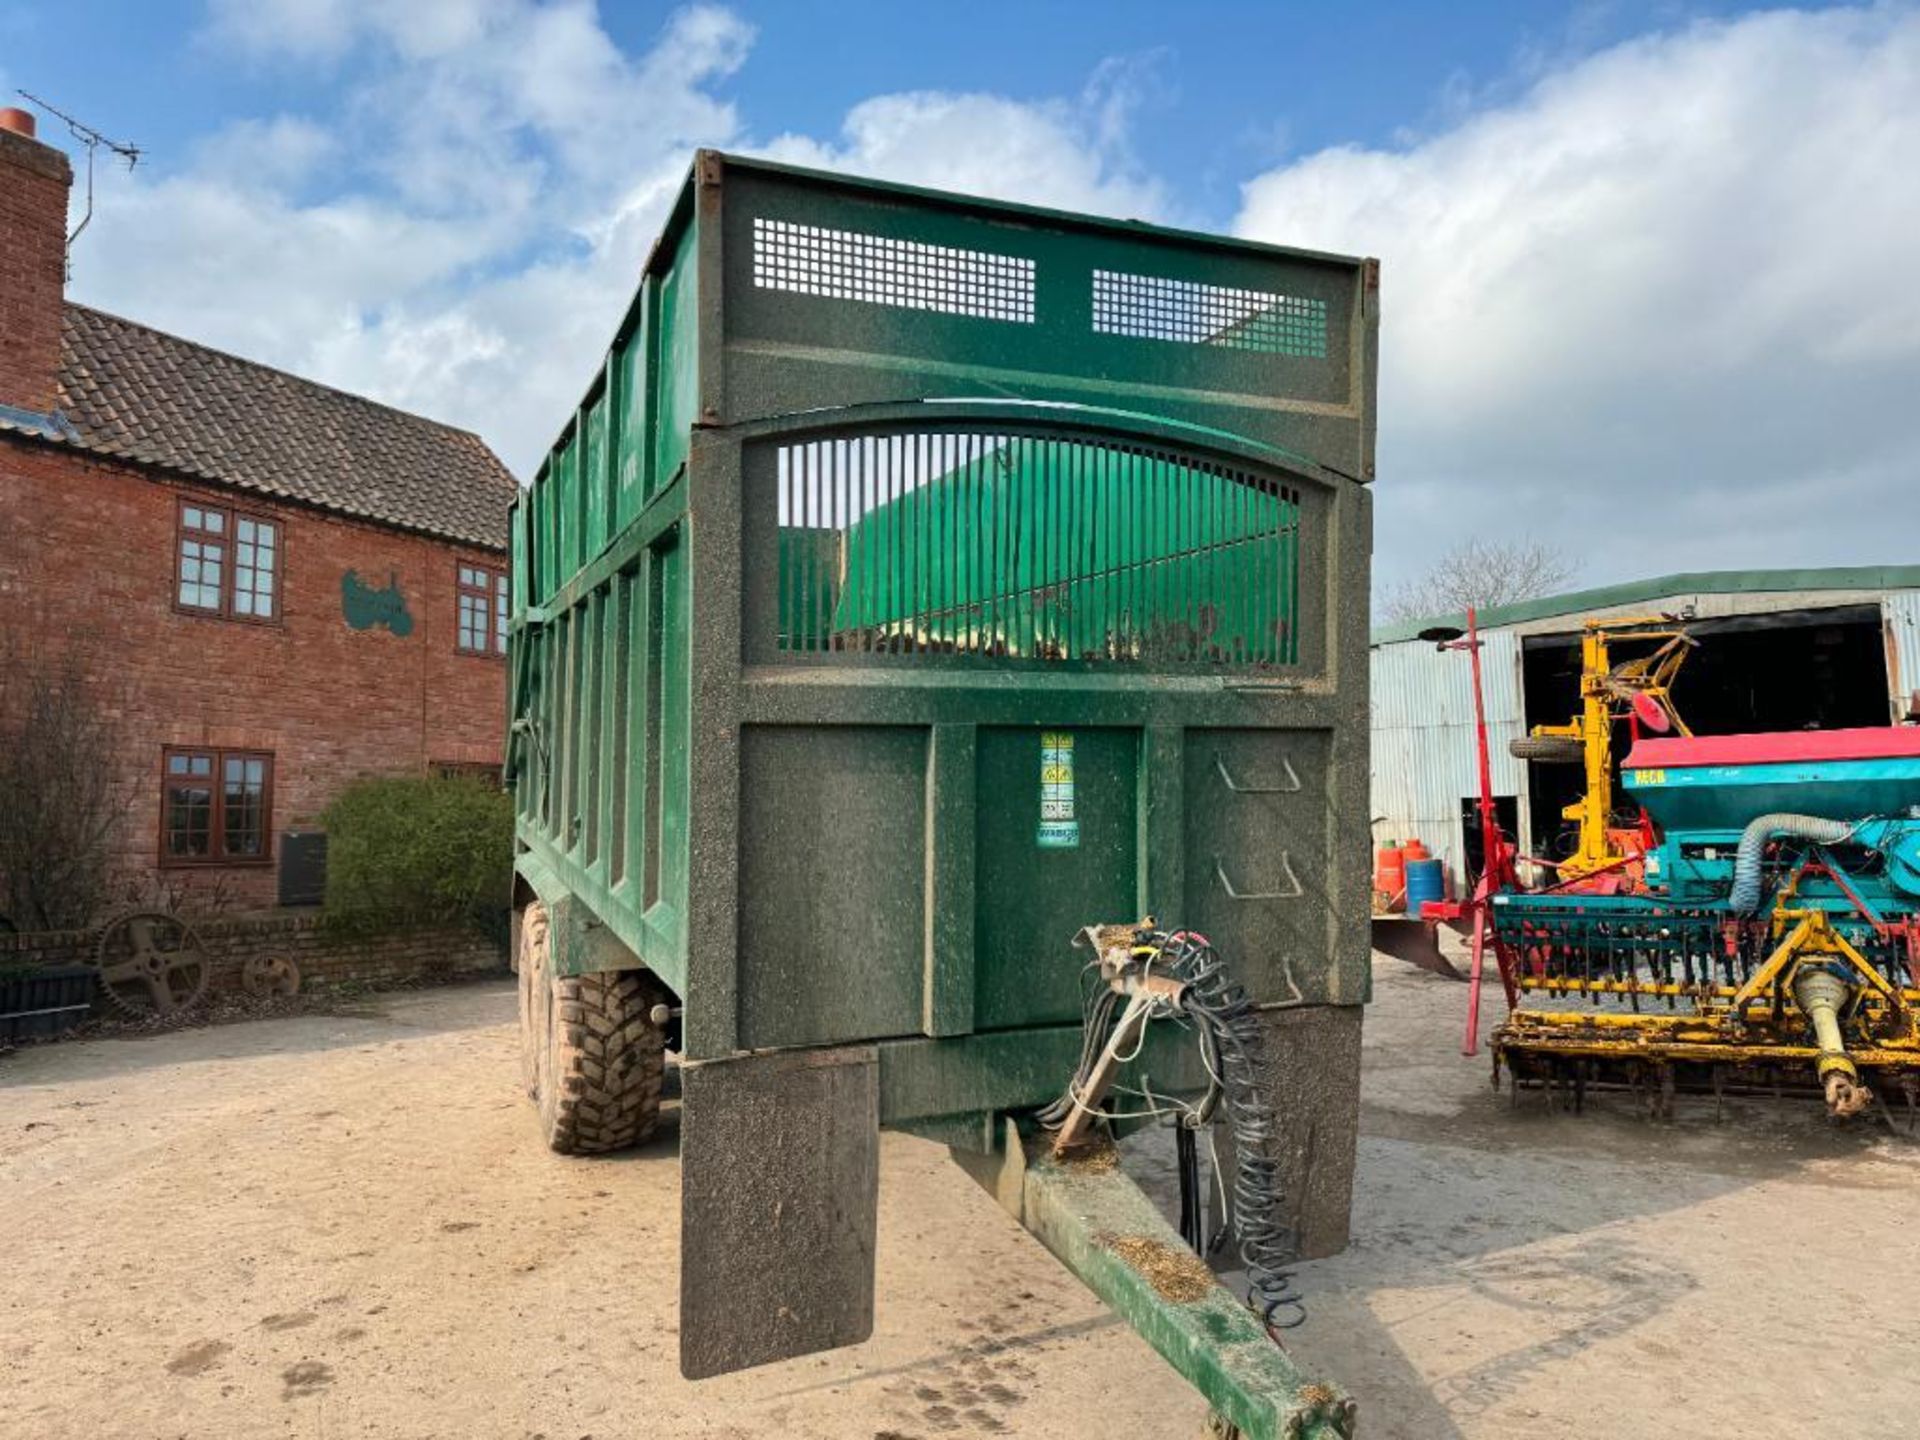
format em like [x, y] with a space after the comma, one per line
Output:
[280, 586]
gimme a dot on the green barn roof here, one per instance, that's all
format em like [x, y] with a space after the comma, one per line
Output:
[1687, 582]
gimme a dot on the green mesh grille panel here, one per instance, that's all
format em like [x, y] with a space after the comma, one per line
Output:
[883, 270]
[1152, 307]
[1033, 549]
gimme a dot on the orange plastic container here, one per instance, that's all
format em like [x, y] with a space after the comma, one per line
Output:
[1390, 875]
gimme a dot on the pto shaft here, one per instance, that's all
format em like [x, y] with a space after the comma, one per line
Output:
[1822, 995]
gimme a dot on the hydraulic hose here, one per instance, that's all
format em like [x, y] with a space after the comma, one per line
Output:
[1744, 898]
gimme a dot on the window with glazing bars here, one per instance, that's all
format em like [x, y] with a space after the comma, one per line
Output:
[227, 563]
[481, 627]
[215, 807]
[1034, 548]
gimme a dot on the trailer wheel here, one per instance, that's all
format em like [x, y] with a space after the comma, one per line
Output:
[591, 1057]
[1548, 749]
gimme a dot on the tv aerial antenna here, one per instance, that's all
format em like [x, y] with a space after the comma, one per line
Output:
[93, 140]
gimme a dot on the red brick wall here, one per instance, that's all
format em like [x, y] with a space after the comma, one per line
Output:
[327, 960]
[33, 268]
[87, 565]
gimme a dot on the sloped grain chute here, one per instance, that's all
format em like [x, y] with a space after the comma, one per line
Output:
[921, 580]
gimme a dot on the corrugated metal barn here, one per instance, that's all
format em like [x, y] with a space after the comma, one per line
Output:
[1778, 650]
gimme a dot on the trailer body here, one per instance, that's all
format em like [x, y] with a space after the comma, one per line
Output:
[919, 579]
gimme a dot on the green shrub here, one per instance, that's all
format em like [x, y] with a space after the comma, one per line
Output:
[418, 851]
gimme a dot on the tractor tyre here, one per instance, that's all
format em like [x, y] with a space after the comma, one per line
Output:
[1548, 749]
[591, 1057]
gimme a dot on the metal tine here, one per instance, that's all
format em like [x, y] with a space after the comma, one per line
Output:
[816, 640]
[1153, 604]
[785, 520]
[1003, 548]
[920, 542]
[1216, 502]
[1139, 550]
[823, 527]
[1053, 469]
[803, 611]
[1294, 539]
[862, 454]
[947, 593]
[1041, 540]
[1048, 472]
[1223, 562]
[1179, 547]
[1113, 487]
[1187, 538]
[1242, 552]
[1126, 501]
[1003, 571]
[1066, 468]
[1026, 522]
[986, 586]
[930, 538]
[1262, 645]
[843, 473]
[1077, 570]
[1201, 479]
[1113, 493]
[1094, 600]
[896, 545]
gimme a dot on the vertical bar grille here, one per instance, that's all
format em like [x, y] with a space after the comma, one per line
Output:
[1033, 548]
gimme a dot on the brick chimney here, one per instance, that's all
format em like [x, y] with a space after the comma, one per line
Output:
[34, 179]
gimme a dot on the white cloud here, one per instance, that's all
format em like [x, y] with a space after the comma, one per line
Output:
[1659, 305]
[460, 237]
[277, 154]
[1071, 154]
[1664, 308]
[462, 234]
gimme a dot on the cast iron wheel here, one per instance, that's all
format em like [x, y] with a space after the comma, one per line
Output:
[265, 976]
[591, 1057]
[1548, 749]
[151, 963]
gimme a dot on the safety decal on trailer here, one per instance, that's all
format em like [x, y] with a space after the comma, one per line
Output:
[1059, 829]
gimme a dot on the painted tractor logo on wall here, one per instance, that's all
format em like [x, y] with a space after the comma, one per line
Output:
[366, 607]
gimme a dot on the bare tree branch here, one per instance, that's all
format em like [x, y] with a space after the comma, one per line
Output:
[1484, 574]
[63, 791]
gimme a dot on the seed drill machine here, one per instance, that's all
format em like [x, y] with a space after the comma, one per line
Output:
[1754, 924]
[923, 583]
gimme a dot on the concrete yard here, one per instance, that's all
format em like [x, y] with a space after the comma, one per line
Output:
[339, 1226]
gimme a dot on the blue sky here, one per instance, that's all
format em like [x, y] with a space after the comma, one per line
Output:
[1224, 90]
[1650, 267]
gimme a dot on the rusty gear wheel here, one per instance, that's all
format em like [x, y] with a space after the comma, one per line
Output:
[265, 975]
[151, 963]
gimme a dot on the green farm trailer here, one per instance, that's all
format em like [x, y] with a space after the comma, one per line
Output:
[921, 581]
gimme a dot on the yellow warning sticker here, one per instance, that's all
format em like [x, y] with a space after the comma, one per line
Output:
[1059, 826]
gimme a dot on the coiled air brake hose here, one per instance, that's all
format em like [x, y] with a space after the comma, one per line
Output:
[1233, 1042]
[1268, 1245]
